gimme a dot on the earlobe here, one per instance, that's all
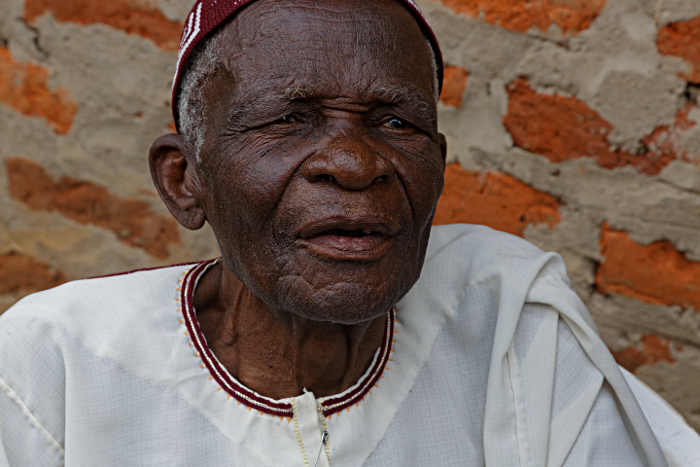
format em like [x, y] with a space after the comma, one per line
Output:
[172, 163]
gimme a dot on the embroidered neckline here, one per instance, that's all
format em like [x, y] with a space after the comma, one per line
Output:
[328, 406]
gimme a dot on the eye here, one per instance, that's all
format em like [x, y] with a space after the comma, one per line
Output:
[397, 124]
[287, 119]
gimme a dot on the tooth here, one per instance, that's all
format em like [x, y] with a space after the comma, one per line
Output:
[366, 231]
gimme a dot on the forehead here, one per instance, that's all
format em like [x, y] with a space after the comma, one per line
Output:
[339, 47]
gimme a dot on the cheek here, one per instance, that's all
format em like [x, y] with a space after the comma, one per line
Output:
[248, 185]
[423, 180]
[245, 192]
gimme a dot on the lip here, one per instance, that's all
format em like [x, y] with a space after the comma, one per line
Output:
[349, 238]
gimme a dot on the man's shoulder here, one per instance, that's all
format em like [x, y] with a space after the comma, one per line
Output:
[478, 240]
[92, 312]
[86, 329]
[476, 253]
[472, 270]
[97, 294]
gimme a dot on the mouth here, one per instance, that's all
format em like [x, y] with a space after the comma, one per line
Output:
[357, 233]
[348, 239]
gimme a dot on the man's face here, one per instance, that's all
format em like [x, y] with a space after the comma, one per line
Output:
[322, 164]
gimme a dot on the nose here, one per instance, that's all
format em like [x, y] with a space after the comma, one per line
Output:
[349, 162]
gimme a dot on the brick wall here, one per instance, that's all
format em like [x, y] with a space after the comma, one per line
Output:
[571, 123]
[574, 124]
[84, 90]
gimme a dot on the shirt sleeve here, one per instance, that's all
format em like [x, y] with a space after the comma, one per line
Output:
[603, 440]
[572, 401]
[550, 294]
[32, 393]
[23, 439]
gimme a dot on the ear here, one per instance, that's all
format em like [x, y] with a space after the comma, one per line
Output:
[173, 168]
[442, 141]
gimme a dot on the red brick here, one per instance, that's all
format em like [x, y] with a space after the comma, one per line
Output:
[563, 128]
[493, 199]
[681, 40]
[131, 16]
[665, 141]
[22, 275]
[132, 219]
[24, 87]
[651, 350]
[453, 85]
[656, 273]
[572, 16]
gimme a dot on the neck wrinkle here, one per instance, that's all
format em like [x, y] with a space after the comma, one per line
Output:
[278, 354]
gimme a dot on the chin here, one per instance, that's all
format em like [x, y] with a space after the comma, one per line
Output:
[344, 303]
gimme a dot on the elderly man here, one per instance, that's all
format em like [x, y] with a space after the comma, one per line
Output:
[336, 329]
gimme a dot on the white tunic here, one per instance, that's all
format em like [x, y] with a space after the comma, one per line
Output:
[491, 359]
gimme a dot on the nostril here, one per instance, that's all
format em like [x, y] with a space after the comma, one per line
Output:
[381, 179]
[325, 178]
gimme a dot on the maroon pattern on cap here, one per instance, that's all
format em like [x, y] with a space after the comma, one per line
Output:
[207, 15]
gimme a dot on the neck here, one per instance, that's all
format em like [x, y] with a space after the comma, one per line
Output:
[277, 353]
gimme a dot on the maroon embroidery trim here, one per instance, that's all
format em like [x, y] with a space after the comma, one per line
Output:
[336, 404]
[232, 387]
[246, 396]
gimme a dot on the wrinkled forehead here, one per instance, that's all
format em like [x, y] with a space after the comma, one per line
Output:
[333, 46]
[207, 17]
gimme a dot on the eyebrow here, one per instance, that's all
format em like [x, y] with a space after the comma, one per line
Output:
[412, 97]
[289, 92]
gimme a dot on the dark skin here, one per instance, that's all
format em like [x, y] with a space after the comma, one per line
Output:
[319, 175]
